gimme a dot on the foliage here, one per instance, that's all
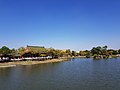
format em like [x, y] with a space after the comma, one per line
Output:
[5, 50]
[84, 53]
[34, 51]
[74, 53]
[68, 52]
[21, 50]
[13, 52]
[119, 51]
[99, 50]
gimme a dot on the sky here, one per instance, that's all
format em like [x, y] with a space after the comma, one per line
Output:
[61, 24]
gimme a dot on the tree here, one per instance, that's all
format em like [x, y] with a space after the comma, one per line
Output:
[105, 47]
[0, 51]
[5, 50]
[99, 50]
[21, 50]
[51, 52]
[96, 50]
[13, 52]
[81, 53]
[104, 51]
[115, 52]
[119, 51]
[110, 52]
[58, 53]
[74, 53]
[68, 52]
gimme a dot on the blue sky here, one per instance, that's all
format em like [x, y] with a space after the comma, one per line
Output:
[62, 24]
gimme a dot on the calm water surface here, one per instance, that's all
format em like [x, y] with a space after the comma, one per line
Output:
[77, 74]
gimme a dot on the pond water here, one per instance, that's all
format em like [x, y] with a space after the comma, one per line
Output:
[76, 74]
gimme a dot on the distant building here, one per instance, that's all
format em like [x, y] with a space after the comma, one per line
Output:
[35, 46]
[31, 51]
[29, 48]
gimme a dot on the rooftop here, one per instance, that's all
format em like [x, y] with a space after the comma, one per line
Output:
[35, 46]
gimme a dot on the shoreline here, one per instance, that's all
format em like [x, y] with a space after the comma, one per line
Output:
[23, 63]
[17, 63]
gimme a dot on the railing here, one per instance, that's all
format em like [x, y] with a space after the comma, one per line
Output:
[25, 58]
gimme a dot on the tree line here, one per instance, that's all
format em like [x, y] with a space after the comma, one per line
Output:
[96, 52]
[31, 51]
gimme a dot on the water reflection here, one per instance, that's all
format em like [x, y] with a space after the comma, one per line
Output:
[77, 74]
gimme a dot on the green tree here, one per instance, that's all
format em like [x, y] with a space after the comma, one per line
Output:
[0, 51]
[110, 52]
[13, 52]
[81, 53]
[68, 52]
[101, 52]
[73, 53]
[51, 52]
[21, 50]
[115, 52]
[105, 47]
[5, 50]
[96, 50]
[119, 51]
